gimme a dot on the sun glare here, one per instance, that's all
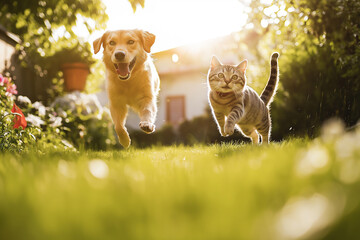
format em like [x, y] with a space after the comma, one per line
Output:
[177, 22]
[175, 58]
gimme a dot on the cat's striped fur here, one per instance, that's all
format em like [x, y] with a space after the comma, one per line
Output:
[234, 103]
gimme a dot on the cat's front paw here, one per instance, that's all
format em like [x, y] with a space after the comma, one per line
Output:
[222, 133]
[228, 129]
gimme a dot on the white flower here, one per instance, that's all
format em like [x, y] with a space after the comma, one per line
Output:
[79, 103]
[40, 107]
[24, 99]
[56, 121]
[37, 104]
[62, 113]
[42, 111]
[35, 120]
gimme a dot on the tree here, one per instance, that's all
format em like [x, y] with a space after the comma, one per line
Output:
[320, 55]
[36, 22]
[45, 28]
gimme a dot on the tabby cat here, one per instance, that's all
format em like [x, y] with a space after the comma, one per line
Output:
[234, 103]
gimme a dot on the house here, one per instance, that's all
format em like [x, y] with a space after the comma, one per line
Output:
[183, 72]
[10, 64]
[8, 61]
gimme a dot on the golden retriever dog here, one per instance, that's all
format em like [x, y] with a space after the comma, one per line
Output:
[132, 80]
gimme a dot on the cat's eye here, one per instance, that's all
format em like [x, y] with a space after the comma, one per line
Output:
[130, 42]
[234, 77]
[112, 43]
[221, 75]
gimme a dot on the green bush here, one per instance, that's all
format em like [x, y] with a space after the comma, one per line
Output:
[31, 126]
[85, 123]
[319, 64]
[165, 136]
[47, 124]
[201, 129]
[75, 119]
[315, 90]
[14, 135]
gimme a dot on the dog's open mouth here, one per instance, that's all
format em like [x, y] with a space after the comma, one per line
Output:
[124, 69]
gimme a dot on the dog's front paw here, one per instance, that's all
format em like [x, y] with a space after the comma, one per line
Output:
[228, 129]
[124, 138]
[125, 142]
[147, 127]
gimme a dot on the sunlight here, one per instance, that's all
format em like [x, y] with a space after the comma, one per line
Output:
[81, 23]
[270, 11]
[177, 22]
[302, 216]
[98, 168]
[266, 2]
[312, 160]
[175, 58]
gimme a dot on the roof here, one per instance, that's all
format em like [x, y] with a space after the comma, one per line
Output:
[8, 36]
[197, 56]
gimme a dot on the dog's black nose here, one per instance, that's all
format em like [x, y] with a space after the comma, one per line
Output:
[119, 55]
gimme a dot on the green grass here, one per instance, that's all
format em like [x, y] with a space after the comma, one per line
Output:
[296, 189]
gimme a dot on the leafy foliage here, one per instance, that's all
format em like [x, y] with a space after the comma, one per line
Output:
[84, 122]
[320, 55]
[12, 138]
[135, 3]
[36, 22]
[46, 29]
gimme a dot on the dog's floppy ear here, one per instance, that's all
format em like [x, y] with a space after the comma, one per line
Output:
[98, 42]
[147, 39]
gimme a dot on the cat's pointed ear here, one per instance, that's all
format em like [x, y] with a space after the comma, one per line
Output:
[215, 62]
[242, 66]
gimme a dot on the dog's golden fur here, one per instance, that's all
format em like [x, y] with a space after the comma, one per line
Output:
[132, 79]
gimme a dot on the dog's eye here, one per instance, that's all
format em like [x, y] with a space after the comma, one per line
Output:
[221, 75]
[131, 42]
[234, 77]
[112, 43]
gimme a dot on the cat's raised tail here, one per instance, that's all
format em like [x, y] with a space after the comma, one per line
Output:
[270, 89]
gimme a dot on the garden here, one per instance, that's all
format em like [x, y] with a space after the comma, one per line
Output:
[64, 175]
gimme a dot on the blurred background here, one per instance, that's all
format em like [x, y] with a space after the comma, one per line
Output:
[318, 42]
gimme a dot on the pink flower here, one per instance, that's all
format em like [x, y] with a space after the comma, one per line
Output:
[3, 80]
[10, 87]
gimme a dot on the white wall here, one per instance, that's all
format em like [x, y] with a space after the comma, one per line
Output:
[6, 51]
[191, 85]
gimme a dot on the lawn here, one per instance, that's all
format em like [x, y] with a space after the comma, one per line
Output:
[296, 189]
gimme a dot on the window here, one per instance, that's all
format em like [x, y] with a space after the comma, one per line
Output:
[175, 109]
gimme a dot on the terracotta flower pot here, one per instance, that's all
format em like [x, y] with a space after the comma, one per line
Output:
[75, 75]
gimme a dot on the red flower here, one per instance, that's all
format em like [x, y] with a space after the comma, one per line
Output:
[19, 121]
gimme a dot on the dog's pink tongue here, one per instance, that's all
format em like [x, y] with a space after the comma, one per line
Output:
[123, 69]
